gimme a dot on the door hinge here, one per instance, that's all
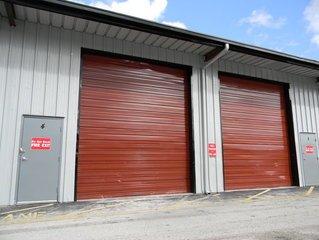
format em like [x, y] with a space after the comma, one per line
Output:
[60, 129]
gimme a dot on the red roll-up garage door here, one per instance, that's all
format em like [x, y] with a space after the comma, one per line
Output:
[255, 134]
[134, 129]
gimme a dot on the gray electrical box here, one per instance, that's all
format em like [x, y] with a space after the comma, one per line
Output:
[309, 158]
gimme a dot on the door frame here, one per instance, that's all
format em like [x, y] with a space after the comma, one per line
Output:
[23, 116]
[289, 119]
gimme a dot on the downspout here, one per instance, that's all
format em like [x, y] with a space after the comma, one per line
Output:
[220, 54]
[223, 52]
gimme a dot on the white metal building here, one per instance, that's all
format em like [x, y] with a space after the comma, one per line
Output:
[47, 74]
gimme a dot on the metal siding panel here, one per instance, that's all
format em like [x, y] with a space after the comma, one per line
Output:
[64, 74]
[40, 68]
[151, 39]
[132, 35]
[177, 44]
[186, 59]
[184, 46]
[178, 57]
[109, 45]
[196, 83]
[51, 86]
[169, 42]
[296, 127]
[312, 108]
[137, 51]
[218, 133]
[209, 131]
[118, 47]
[80, 24]
[112, 31]
[127, 48]
[2, 9]
[91, 27]
[98, 42]
[162, 56]
[68, 22]
[20, 12]
[316, 107]
[122, 33]
[160, 41]
[72, 120]
[8, 133]
[4, 49]
[31, 14]
[154, 53]
[44, 17]
[141, 37]
[88, 40]
[302, 107]
[101, 29]
[307, 105]
[56, 20]
[62, 108]
[27, 71]
[4, 61]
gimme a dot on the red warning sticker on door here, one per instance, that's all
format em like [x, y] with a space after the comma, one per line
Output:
[212, 150]
[309, 149]
[41, 143]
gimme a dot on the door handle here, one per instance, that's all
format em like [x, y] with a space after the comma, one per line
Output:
[21, 151]
[24, 158]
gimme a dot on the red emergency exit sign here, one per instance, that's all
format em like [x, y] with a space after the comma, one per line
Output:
[212, 150]
[41, 143]
[309, 149]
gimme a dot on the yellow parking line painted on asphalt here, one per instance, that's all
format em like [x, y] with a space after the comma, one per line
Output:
[25, 209]
[258, 194]
[310, 190]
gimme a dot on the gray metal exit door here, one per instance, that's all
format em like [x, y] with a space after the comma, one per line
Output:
[39, 159]
[309, 158]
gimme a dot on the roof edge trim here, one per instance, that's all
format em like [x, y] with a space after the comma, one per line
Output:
[121, 20]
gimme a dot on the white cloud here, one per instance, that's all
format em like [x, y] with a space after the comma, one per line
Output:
[147, 9]
[177, 24]
[261, 18]
[311, 14]
[152, 10]
[315, 39]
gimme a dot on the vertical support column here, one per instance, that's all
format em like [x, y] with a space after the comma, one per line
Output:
[218, 129]
[196, 93]
[209, 131]
[296, 132]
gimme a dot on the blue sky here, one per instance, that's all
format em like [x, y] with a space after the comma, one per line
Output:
[290, 26]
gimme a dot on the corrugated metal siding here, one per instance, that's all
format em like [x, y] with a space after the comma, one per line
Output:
[303, 93]
[39, 74]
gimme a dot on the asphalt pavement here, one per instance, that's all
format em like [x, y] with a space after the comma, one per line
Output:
[290, 213]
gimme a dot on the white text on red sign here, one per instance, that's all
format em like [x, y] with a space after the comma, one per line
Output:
[41, 143]
[212, 150]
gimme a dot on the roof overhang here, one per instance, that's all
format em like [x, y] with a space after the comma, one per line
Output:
[169, 37]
